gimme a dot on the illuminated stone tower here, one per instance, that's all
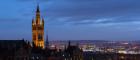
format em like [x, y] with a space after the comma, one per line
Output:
[38, 30]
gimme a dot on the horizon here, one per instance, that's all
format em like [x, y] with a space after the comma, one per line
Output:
[72, 19]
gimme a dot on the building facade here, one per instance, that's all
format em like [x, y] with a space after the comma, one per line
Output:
[38, 30]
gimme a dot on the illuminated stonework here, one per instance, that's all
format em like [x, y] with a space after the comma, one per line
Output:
[38, 30]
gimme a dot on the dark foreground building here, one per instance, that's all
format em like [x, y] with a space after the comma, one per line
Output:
[14, 49]
[22, 50]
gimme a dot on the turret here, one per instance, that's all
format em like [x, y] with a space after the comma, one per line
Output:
[33, 22]
[43, 21]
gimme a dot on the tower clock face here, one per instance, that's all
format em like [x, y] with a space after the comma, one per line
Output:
[40, 37]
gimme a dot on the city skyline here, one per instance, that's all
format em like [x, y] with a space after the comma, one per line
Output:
[72, 19]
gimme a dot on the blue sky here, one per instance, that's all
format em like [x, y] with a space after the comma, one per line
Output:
[72, 19]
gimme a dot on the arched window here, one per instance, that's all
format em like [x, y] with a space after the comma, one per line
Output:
[40, 37]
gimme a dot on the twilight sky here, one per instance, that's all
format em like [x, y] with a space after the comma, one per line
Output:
[72, 19]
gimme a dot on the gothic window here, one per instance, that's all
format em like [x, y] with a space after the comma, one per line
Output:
[40, 37]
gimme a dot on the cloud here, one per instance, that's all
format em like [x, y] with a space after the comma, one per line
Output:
[6, 20]
[76, 19]
[92, 10]
[89, 11]
[31, 0]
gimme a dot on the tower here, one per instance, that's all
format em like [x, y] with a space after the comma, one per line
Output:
[47, 41]
[38, 30]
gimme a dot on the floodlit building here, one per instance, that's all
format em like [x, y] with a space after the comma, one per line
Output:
[38, 30]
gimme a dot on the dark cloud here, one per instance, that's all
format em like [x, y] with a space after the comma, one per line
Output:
[93, 10]
[90, 11]
[31, 0]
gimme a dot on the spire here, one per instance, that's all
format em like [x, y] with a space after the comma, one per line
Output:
[37, 10]
[37, 15]
[32, 20]
[69, 43]
[43, 21]
[47, 40]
